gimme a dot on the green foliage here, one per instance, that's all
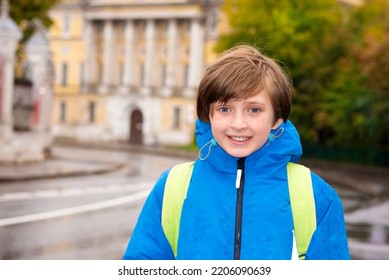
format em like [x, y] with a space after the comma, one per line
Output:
[370, 37]
[338, 60]
[23, 12]
[300, 35]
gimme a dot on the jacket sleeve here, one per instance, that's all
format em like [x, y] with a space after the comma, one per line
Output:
[148, 240]
[329, 241]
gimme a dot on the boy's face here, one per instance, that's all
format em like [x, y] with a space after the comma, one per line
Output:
[241, 127]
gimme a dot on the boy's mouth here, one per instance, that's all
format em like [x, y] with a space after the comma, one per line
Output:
[239, 138]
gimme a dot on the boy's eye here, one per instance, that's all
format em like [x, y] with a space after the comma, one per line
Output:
[255, 110]
[224, 109]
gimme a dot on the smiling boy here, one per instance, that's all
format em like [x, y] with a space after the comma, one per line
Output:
[237, 204]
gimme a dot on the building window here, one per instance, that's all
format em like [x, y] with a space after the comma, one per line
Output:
[62, 112]
[66, 23]
[186, 75]
[187, 28]
[100, 73]
[176, 117]
[163, 74]
[121, 73]
[64, 72]
[142, 75]
[92, 111]
[81, 74]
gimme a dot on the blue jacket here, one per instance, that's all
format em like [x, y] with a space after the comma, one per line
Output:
[207, 229]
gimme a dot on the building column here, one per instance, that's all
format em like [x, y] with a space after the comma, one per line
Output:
[150, 58]
[172, 58]
[129, 57]
[90, 57]
[108, 58]
[196, 59]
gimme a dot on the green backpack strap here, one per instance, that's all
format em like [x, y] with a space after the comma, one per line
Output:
[176, 186]
[300, 189]
[303, 205]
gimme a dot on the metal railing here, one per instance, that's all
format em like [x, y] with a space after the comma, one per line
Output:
[23, 105]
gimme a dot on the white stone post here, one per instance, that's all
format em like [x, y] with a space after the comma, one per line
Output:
[39, 57]
[9, 38]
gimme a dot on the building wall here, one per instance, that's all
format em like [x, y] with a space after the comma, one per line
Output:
[123, 57]
[68, 49]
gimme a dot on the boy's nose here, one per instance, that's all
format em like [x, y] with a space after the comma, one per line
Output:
[239, 122]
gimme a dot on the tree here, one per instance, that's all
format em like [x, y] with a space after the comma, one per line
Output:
[338, 60]
[23, 12]
[370, 29]
[303, 36]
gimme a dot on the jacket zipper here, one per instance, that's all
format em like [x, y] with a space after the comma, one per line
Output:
[239, 205]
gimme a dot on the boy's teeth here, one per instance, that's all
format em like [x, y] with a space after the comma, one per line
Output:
[239, 138]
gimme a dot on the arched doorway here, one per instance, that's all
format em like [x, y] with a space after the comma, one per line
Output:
[136, 129]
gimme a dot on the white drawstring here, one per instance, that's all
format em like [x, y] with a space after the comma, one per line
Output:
[275, 135]
[210, 144]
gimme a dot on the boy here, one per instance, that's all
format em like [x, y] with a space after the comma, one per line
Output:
[237, 205]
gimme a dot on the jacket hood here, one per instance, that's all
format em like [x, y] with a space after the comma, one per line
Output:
[283, 147]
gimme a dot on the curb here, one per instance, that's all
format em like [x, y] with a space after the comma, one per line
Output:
[60, 172]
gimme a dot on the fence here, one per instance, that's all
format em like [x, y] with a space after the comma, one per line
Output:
[368, 154]
[23, 98]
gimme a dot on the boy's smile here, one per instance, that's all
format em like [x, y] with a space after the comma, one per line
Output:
[241, 127]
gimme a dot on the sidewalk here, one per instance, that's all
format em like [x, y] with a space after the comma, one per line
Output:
[372, 180]
[55, 167]
[64, 166]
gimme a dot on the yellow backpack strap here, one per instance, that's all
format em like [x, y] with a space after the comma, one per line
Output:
[176, 187]
[303, 205]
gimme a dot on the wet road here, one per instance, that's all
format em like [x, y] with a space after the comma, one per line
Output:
[91, 217]
[86, 217]
[367, 221]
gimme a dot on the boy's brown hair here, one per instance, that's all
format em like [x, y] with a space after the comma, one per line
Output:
[240, 73]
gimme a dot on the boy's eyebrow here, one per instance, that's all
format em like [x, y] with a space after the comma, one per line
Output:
[255, 103]
[245, 101]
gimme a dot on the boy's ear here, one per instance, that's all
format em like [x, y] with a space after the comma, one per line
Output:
[277, 123]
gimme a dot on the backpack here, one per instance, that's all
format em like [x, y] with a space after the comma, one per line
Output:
[300, 192]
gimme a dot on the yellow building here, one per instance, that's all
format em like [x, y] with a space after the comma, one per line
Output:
[129, 70]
